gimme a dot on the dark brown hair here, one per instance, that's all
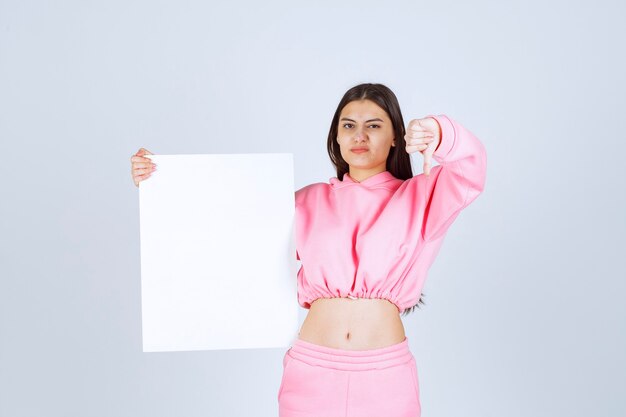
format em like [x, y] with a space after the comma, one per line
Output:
[398, 161]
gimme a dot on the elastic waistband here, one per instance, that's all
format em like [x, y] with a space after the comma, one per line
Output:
[351, 360]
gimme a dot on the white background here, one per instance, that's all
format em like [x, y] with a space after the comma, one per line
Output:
[525, 311]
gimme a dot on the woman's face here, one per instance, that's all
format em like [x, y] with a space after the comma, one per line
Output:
[364, 125]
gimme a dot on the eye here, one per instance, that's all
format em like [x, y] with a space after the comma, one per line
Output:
[345, 124]
[375, 125]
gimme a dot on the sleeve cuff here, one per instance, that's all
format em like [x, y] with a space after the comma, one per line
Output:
[448, 137]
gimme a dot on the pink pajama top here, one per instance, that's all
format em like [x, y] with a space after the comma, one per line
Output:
[377, 238]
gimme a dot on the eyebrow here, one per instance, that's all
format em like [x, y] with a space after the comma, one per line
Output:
[367, 121]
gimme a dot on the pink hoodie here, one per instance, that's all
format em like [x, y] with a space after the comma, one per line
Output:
[377, 238]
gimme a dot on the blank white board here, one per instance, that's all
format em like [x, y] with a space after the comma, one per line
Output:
[218, 256]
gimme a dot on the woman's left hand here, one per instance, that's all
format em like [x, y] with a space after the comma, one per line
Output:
[423, 135]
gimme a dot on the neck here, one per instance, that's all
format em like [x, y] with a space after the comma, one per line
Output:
[359, 175]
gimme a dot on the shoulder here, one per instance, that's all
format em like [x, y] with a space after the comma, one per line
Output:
[311, 191]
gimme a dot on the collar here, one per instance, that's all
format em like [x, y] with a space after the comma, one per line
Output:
[368, 182]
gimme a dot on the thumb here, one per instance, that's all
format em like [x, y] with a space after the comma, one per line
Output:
[143, 151]
[427, 162]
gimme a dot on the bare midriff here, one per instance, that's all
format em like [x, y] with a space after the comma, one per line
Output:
[352, 324]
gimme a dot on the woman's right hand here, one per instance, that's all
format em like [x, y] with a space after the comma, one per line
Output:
[141, 168]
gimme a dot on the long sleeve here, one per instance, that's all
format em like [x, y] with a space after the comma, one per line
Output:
[456, 182]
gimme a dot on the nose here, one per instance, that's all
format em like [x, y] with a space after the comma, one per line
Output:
[360, 135]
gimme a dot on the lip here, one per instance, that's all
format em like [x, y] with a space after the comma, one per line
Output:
[359, 150]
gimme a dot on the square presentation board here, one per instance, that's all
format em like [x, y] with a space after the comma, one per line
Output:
[218, 256]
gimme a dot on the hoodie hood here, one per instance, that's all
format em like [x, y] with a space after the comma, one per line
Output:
[369, 182]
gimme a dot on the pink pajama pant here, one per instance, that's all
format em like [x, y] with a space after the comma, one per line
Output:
[320, 381]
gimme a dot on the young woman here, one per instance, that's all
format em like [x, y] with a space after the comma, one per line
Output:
[366, 240]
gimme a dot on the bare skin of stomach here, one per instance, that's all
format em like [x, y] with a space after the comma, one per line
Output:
[352, 324]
